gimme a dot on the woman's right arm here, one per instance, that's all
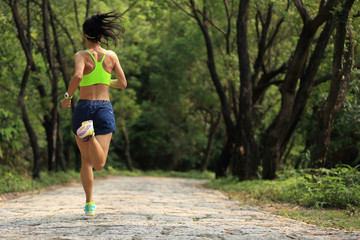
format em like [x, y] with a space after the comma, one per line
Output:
[76, 79]
[79, 71]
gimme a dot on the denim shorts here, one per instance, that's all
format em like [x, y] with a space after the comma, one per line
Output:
[100, 111]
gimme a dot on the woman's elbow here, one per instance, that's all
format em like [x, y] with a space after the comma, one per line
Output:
[77, 77]
[124, 85]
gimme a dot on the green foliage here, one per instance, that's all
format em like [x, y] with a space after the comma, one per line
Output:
[320, 188]
[12, 181]
[168, 133]
[344, 147]
[338, 187]
[55, 178]
[170, 103]
[10, 141]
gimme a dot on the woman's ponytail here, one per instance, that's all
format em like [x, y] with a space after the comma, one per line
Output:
[103, 26]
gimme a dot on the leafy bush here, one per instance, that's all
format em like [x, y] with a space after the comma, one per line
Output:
[332, 188]
[11, 181]
[11, 147]
[338, 187]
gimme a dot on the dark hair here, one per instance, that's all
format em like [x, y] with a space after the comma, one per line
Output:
[103, 25]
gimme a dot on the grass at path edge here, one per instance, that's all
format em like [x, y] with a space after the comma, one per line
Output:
[278, 197]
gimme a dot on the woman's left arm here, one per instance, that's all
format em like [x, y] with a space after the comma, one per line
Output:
[120, 81]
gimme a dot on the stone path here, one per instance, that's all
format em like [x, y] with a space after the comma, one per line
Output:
[148, 208]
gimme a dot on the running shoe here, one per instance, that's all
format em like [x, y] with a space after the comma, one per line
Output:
[90, 209]
[86, 131]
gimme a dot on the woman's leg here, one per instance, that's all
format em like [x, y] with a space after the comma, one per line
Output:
[98, 150]
[93, 154]
[87, 178]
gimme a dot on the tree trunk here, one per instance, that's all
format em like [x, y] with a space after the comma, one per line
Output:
[60, 158]
[127, 145]
[245, 131]
[28, 126]
[273, 137]
[213, 129]
[338, 87]
[306, 82]
[59, 55]
[30, 66]
[225, 157]
[52, 131]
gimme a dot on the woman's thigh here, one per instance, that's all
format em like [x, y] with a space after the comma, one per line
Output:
[103, 140]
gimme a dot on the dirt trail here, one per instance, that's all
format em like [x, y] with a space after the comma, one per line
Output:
[148, 208]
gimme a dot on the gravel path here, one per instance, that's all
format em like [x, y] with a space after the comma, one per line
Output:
[148, 208]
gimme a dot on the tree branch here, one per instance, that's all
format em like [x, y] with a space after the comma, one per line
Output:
[5, 88]
[228, 30]
[211, 22]
[128, 9]
[76, 15]
[265, 81]
[324, 13]
[262, 42]
[228, 13]
[67, 33]
[322, 80]
[302, 10]
[213, 72]
[277, 28]
[87, 8]
[182, 9]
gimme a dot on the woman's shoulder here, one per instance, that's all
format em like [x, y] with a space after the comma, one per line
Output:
[81, 53]
[111, 53]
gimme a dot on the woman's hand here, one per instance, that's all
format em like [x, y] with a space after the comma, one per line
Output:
[66, 103]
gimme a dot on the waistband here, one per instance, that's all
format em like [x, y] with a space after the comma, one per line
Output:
[86, 100]
[93, 102]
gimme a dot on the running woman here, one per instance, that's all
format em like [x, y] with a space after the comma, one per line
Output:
[93, 121]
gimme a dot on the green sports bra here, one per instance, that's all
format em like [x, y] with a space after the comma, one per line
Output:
[98, 75]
